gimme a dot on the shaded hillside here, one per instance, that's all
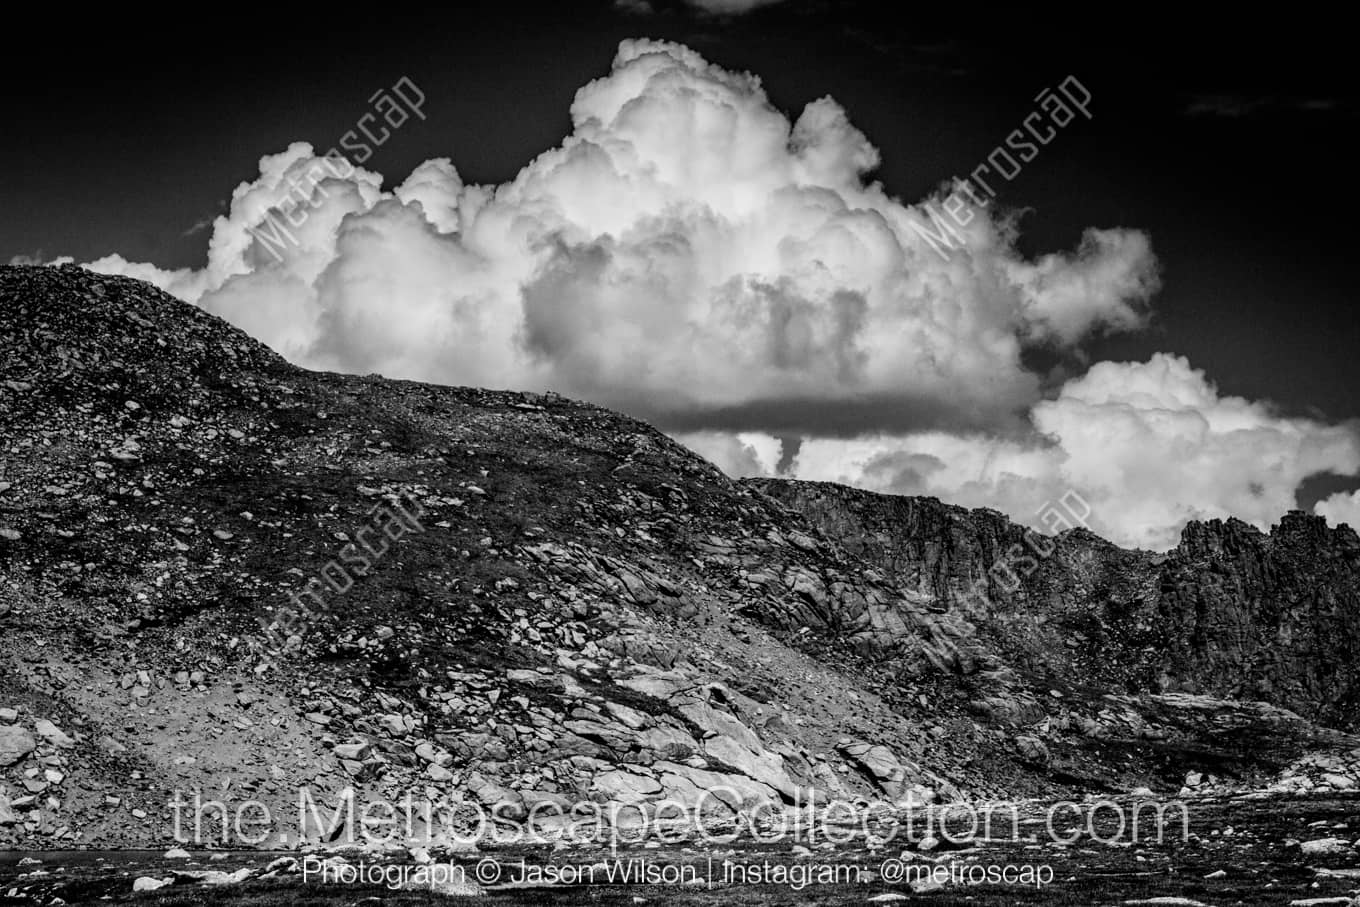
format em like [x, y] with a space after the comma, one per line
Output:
[220, 572]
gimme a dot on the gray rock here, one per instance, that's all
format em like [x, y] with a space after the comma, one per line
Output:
[878, 760]
[925, 885]
[355, 752]
[1032, 748]
[52, 734]
[624, 786]
[762, 765]
[15, 744]
[440, 880]
[712, 791]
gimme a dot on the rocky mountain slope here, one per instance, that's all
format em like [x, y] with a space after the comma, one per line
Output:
[223, 574]
[1230, 612]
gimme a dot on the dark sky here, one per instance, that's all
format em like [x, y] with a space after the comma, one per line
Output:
[1232, 148]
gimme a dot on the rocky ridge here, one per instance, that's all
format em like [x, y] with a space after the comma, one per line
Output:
[1230, 612]
[562, 605]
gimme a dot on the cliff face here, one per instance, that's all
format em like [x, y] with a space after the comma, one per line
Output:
[1273, 617]
[1230, 611]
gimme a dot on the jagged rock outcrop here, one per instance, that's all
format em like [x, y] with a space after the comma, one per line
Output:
[1231, 611]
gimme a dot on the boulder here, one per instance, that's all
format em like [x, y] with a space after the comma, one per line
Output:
[491, 794]
[15, 744]
[668, 742]
[658, 684]
[1032, 748]
[213, 876]
[624, 786]
[354, 752]
[52, 734]
[762, 766]
[712, 792]
[614, 736]
[878, 761]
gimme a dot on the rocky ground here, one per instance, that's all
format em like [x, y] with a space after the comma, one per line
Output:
[1282, 850]
[223, 575]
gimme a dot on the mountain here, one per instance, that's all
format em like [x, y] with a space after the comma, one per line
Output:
[223, 574]
[1230, 612]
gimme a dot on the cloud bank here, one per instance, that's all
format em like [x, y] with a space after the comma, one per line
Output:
[691, 255]
[1149, 446]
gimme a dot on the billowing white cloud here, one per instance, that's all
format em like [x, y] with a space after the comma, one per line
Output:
[687, 253]
[1339, 508]
[1104, 284]
[690, 255]
[740, 455]
[1148, 446]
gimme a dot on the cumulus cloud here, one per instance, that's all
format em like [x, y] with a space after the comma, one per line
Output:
[1338, 509]
[740, 455]
[691, 255]
[1149, 446]
[1106, 284]
[687, 253]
